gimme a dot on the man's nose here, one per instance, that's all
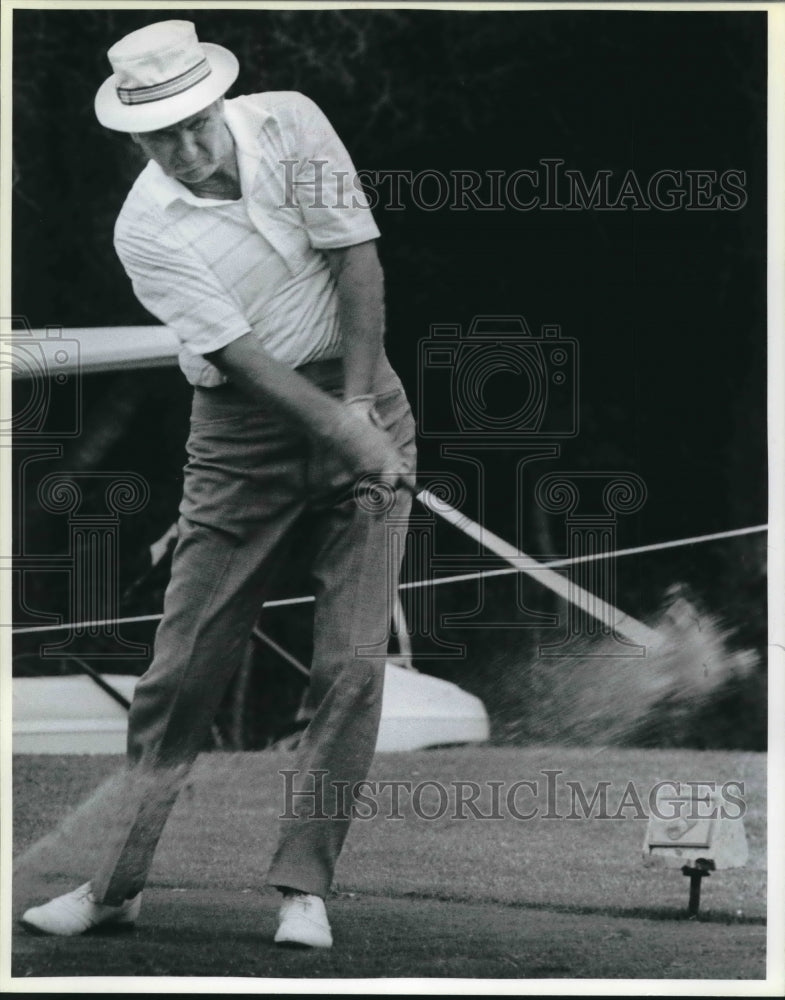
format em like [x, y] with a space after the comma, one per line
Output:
[187, 150]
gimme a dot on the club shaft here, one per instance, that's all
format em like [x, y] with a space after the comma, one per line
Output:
[615, 620]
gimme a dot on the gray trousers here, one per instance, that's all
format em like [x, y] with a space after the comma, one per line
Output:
[251, 481]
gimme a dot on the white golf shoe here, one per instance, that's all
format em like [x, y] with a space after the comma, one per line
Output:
[302, 920]
[77, 912]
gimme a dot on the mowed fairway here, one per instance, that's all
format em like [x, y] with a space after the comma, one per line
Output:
[453, 896]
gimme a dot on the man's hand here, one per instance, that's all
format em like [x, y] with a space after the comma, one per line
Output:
[365, 447]
[347, 428]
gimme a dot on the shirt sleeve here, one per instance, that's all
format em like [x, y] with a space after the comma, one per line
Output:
[334, 206]
[178, 289]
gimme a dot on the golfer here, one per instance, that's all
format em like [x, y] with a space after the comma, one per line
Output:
[246, 235]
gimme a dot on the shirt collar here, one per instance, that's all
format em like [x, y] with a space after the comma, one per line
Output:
[246, 124]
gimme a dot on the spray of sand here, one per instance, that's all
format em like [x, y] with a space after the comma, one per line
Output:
[599, 696]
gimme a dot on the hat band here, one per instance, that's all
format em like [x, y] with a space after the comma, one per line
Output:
[169, 88]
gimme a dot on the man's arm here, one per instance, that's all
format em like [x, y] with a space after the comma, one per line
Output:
[360, 285]
[363, 447]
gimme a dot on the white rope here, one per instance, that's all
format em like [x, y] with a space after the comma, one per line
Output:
[573, 560]
[436, 582]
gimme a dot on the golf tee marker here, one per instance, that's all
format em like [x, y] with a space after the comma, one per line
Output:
[698, 827]
[624, 626]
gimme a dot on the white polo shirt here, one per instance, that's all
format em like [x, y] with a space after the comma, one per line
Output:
[215, 270]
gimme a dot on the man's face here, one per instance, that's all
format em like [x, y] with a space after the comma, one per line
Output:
[193, 149]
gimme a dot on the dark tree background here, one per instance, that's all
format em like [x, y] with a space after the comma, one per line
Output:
[668, 308]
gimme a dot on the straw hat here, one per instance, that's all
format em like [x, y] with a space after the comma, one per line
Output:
[162, 74]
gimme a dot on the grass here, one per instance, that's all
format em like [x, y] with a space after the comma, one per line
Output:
[496, 898]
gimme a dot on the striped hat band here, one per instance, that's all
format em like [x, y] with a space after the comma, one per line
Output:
[167, 88]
